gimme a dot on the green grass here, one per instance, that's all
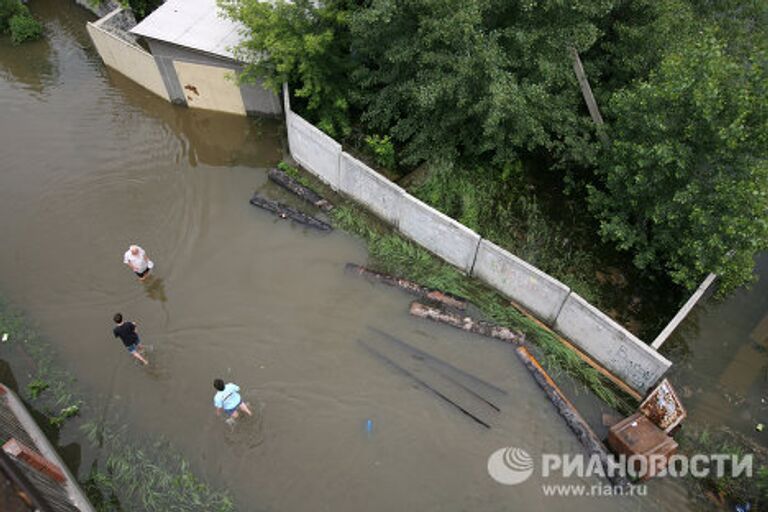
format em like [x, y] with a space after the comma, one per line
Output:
[694, 439]
[50, 388]
[146, 477]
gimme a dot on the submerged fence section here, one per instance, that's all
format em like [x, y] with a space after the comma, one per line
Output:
[589, 329]
[126, 57]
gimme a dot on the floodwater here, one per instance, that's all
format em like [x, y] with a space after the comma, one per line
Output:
[721, 359]
[91, 163]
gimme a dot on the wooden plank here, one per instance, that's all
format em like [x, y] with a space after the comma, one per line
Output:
[589, 97]
[575, 421]
[466, 323]
[409, 286]
[286, 212]
[584, 357]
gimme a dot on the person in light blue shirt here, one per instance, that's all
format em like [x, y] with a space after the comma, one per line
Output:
[227, 399]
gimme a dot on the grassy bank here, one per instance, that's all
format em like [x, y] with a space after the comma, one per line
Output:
[726, 490]
[127, 476]
[393, 254]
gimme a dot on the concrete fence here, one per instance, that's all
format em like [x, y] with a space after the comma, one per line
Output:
[608, 343]
[126, 57]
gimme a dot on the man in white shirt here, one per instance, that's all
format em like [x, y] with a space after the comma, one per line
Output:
[137, 260]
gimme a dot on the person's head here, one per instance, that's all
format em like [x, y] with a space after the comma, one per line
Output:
[218, 384]
[134, 249]
[118, 318]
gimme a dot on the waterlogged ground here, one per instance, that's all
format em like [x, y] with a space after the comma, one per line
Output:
[90, 163]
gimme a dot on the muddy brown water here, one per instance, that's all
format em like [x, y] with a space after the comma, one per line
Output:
[91, 162]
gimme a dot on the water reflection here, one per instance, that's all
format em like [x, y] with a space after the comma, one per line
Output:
[210, 138]
[29, 64]
[154, 287]
[721, 358]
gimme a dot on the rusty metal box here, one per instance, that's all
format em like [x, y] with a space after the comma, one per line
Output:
[639, 436]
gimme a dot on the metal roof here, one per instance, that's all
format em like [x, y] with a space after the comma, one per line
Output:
[196, 24]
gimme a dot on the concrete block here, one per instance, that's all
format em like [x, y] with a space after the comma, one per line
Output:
[438, 233]
[313, 150]
[525, 284]
[610, 344]
[368, 187]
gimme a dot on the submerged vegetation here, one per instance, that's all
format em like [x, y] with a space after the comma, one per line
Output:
[726, 489]
[129, 476]
[18, 22]
[676, 180]
[153, 478]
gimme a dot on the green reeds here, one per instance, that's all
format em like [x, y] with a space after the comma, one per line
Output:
[146, 477]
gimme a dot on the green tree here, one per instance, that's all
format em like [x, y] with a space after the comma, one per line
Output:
[302, 44]
[474, 80]
[684, 185]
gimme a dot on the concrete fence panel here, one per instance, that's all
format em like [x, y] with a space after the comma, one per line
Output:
[313, 149]
[370, 188]
[614, 347]
[440, 234]
[128, 59]
[525, 284]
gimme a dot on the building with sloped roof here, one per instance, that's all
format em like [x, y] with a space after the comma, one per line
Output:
[191, 59]
[32, 475]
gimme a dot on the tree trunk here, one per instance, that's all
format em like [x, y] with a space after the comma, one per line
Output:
[466, 323]
[409, 286]
[286, 212]
[584, 433]
[307, 194]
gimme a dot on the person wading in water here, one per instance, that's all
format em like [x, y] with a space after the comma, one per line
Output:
[126, 331]
[227, 399]
[136, 258]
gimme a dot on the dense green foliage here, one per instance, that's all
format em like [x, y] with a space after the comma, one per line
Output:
[471, 88]
[18, 22]
[684, 183]
[142, 8]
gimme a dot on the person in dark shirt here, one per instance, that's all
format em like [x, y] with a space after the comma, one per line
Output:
[126, 331]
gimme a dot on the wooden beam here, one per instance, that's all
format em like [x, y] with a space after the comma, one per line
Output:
[409, 286]
[575, 421]
[584, 357]
[589, 97]
[466, 323]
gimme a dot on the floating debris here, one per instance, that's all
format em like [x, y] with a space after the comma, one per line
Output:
[306, 193]
[444, 298]
[286, 212]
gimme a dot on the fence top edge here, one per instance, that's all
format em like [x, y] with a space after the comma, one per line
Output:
[317, 131]
[595, 312]
[448, 220]
[485, 243]
[374, 174]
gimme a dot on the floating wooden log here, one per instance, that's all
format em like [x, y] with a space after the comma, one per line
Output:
[306, 193]
[286, 212]
[413, 288]
[466, 323]
[422, 382]
[475, 386]
[584, 433]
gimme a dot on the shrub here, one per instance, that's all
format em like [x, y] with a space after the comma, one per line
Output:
[24, 27]
[8, 9]
[383, 150]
